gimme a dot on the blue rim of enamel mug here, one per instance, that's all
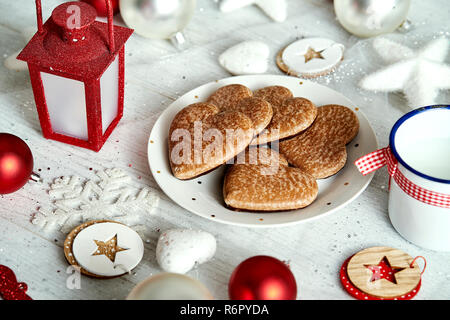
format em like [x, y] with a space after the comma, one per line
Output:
[394, 149]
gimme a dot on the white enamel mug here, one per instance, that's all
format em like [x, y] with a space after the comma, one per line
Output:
[420, 141]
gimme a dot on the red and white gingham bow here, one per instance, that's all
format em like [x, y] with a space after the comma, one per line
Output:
[377, 159]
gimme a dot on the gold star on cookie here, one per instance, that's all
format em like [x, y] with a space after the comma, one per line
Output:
[108, 248]
[313, 54]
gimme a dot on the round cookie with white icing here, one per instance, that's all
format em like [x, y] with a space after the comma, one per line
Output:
[104, 249]
[310, 57]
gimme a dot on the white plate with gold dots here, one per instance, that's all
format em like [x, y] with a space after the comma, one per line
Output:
[203, 195]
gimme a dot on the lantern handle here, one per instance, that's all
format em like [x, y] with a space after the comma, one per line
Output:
[39, 17]
[110, 26]
[110, 22]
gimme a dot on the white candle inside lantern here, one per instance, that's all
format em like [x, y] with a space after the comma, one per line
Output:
[66, 104]
[109, 84]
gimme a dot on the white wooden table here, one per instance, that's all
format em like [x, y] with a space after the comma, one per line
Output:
[156, 74]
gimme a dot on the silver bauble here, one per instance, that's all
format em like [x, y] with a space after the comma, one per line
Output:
[157, 19]
[406, 26]
[170, 286]
[368, 18]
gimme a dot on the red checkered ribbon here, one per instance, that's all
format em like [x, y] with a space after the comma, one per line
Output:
[377, 159]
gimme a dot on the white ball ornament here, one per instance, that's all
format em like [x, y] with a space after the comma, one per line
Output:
[157, 19]
[369, 18]
[180, 250]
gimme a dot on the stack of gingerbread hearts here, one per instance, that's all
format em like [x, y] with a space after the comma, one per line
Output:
[241, 128]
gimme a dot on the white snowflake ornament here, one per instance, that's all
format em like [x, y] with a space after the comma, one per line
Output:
[419, 74]
[111, 196]
[275, 9]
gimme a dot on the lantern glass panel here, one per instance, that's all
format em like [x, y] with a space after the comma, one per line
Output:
[66, 104]
[109, 84]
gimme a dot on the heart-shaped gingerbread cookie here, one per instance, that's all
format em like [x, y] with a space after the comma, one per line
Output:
[290, 115]
[265, 182]
[320, 150]
[236, 97]
[201, 138]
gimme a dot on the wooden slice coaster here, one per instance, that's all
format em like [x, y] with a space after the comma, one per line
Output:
[68, 252]
[310, 57]
[379, 273]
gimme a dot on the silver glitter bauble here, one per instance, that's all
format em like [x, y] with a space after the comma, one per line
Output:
[368, 18]
[406, 26]
[157, 19]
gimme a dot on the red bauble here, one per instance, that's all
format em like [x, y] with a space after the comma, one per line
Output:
[16, 163]
[262, 278]
[100, 6]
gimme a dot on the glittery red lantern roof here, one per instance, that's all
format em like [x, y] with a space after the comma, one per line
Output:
[76, 67]
[82, 53]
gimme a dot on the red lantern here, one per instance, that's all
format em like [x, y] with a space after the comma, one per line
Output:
[76, 67]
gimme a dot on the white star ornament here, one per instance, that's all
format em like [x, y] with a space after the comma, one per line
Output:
[275, 9]
[419, 74]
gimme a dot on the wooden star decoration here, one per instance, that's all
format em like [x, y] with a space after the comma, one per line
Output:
[275, 9]
[419, 74]
[108, 248]
[383, 270]
[312, 54]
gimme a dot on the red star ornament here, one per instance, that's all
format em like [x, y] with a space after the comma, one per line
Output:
[383, 270]
[381, 273]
